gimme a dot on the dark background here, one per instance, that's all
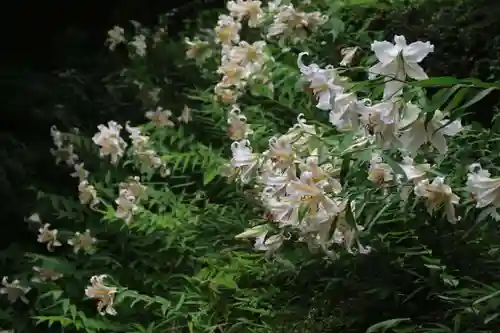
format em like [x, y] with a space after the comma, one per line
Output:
[44, 34]
[39, 39]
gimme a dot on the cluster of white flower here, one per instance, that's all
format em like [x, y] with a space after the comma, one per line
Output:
[288, 22]
[64, 151]
[49, 237]
[130, 195]
[240, 60]
[243, 62]
[147, 157]
[308, 203]
[15, 290]
[300, 192]
[138, 44]
[109, 141]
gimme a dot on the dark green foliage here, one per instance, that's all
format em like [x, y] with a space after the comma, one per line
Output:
[465, 33]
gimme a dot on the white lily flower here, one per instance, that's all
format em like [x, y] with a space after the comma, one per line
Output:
[116, 36]
[250, 9]
[437, 194]
[83, 242]
[434, 133]
[273, 178]
[87, 194]
[345, 111]
[400, 58]
[281, 152]
[238, 128]
[103, 294]
[307, 192]
[45, 274]
[483, 189]
[126, 205]
[414, 173]
[246, 54]
[300, 133]
[323, 82]
[14, 290]
[322, 175]
[385, 134]
[227, 30]
[244, 160]
[284, 211]
[109, 141]
[379, 173]
[80, 172]
[160, 117]
[48, 236]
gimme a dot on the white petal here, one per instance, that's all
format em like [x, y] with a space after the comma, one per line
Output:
[416, 52]
[400, 41]
[384, 51]
[453, 128]
[413, 138]
[439, 142]
[414, 71]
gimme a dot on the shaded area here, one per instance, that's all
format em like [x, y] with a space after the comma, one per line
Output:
[43, 40]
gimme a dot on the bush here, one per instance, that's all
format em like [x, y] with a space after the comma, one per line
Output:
[365, 212]
[466, 34]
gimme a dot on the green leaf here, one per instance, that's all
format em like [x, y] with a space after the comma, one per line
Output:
[225, 280]
[446, 81]
[385, 325]
[344, 170]
[209, 174]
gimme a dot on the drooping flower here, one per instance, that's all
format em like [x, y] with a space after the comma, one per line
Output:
[185, 116]
[80, 172]
[104, 294]
[87, 194]
[45, 274]
[227, 30]
[83, 242]
[250, 9]
[238, 128]
[160, 117]
[244, 160]
[116, 36]
[379, 172]
[110, 142]
[14, 290]
[323, 82]
[484, 189]
[437, 194]
[139, 45]
[49, 237]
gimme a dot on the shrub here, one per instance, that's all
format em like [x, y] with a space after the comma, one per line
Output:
[370, 208]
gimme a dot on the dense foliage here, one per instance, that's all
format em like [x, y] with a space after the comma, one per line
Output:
[359, 224]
